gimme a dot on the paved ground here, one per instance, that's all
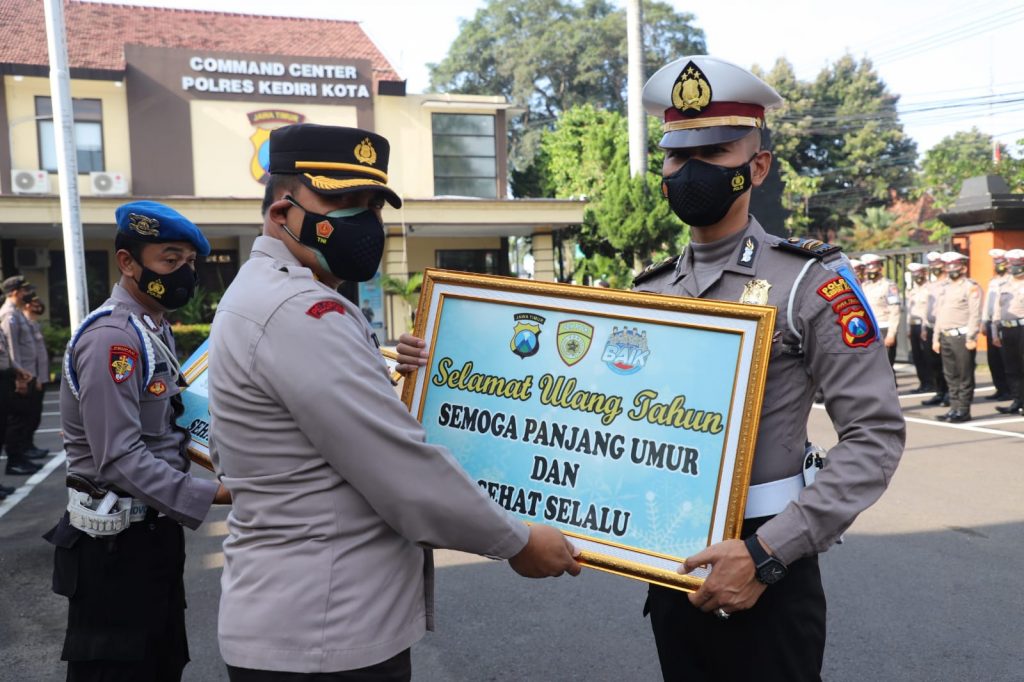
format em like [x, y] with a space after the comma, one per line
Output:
[926, 586]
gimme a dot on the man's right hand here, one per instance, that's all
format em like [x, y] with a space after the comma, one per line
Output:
[547, 554]
[222, 496]
[412, 353]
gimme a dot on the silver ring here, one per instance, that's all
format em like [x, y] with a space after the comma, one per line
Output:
[722, 615]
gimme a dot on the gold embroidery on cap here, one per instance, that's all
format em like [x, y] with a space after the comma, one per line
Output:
[365, 153]
[332, 165]
[323, 182]
[144, 225]
[711, 121]
[691, 92]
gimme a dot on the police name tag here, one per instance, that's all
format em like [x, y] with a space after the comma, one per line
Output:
[626, 420]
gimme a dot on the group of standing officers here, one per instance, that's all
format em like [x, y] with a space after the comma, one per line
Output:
[946, 312]
[24, 371]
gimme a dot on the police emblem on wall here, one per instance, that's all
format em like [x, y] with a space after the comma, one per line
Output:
[626, 351]
[264, 121]
[691, 92]
[525, 341]
[573, 340]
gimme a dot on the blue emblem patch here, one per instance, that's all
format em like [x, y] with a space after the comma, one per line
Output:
[525, 336]
[626, 351]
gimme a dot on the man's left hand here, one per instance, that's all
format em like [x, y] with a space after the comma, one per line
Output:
[731, 586]
[890, 341]
[971, 345]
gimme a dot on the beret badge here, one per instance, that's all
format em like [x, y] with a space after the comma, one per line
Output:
[691, 92]
[144, 225]
[365, 153]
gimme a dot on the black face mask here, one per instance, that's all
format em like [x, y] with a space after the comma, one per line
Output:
[348, 243]
[172, 290]
[1000, 268]
[701, 193]
[873, 275]
[1016, 270]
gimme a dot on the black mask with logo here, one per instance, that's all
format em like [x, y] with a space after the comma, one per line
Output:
[701, 193]
[1017, 270]
[348, 243]
[1001, 268]
[172, 290]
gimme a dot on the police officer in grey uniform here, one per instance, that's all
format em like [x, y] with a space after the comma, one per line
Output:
[337, 498]
[957, 325]
[1008, 330]
[760, 615]
[18, 336]
[119, 556]
[883, 297]
[917, 316]
[996, 367]
[33, 310]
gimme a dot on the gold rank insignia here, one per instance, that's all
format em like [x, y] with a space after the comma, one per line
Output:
[144, 225]
[739, 183]
[365, 153]
[691, 92]
[755, 292]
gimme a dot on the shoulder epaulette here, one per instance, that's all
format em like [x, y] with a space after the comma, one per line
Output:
[148, 354]
[656, 269]
[807, 247]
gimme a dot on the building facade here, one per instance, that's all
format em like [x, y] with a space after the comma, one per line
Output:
[177, 106]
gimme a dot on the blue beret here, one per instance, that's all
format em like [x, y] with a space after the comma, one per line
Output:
[153, 222]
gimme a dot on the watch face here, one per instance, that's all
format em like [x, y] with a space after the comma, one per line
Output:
[772, 572]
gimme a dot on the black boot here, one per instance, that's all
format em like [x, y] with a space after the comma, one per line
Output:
[960, 417]
[946, 417]
[934, 400]
[1012, 408]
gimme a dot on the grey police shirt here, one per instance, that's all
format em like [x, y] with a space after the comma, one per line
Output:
[851, 368]
[119, 431]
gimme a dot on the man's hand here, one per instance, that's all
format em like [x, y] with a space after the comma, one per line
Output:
[547, 554]
[970, 345]
[22, 379]
[222, 496]
[890, 341]
[996, 341]
[936, 348]
[39, 385]
[731, 586]
[412, 353]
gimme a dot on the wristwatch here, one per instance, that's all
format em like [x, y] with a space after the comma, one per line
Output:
[767, 568]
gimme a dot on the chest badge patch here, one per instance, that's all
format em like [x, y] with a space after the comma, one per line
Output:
[158, 387]
[321, 308]
[755, 292]
[122, 363]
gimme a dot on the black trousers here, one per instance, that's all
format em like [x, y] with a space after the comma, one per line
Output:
[126, 602]
[920, 356]
[1013, 353]
[996, 362]
[23, 420]
[782, 638]
[6, 400]
[958, 365]
[398, 668]
[935, 362]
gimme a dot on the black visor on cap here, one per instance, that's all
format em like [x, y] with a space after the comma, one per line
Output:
[702, 137]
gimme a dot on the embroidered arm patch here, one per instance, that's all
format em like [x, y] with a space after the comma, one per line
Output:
[321, 308]
[855, 323]
[123, 360]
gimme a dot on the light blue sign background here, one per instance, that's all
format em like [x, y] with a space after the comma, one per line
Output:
[196, 400]
[670, 512]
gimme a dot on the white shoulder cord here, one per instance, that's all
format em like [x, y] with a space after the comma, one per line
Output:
[165, 353]
[792, 300]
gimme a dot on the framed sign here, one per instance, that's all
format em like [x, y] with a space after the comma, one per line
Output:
[196, 415]
[626, 420]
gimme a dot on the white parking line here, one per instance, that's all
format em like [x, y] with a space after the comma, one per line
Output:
[50, 414]
[960, 427]
[911, 396]
[1007, 420]
[22, 492]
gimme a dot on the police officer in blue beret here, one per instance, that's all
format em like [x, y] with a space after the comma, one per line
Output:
[119, 556]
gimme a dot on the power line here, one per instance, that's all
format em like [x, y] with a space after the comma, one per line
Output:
[948, 37]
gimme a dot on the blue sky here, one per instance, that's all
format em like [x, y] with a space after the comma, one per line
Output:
[946, 58]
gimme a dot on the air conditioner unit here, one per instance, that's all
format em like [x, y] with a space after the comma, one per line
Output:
[28, 258]
[30, 181]
[109, 183]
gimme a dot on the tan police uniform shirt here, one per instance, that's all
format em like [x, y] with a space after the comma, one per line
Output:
[884, 299]
[118, 432]
[992, 296]
[1010, 305]
[917, 304]
[853, 372]
[18, 333]
[959, 306]
[934, 289]
[337, 497]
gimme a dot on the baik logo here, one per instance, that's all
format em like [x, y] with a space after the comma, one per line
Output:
[626, 351]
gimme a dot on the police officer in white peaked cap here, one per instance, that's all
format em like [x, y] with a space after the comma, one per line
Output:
[760, 615]
[957, 325]
[1000, 278]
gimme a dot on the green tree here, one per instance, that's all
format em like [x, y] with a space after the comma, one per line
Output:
[796, 197]
[875, 229]
[551, 55]
[406, 289]
[844, 129]
[626, 221]
[962, 155]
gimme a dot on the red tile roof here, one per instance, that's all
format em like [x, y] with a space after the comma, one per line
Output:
[97, 33]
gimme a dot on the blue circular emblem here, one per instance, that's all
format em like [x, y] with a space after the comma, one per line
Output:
[857, 327]
[525, 342]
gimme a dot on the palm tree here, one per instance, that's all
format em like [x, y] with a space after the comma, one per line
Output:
[406, 289]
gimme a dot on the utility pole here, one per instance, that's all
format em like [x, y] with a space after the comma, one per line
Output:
[67, 161]
[634, 88]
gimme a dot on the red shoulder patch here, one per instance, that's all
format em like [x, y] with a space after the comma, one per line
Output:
[321, 308]
[834, 288]
[123, 360]
[858, 330]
